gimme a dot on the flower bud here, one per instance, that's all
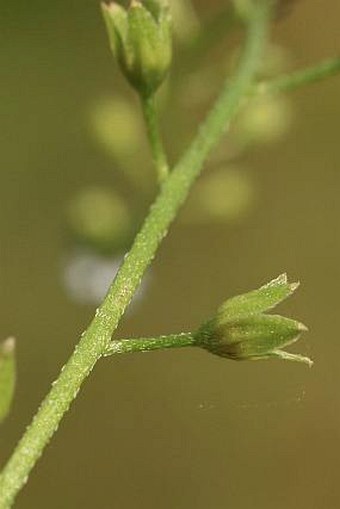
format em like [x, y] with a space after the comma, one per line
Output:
[241, 330]
[140, 39]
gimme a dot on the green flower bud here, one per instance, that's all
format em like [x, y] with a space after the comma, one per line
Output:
[140, 39]
[240, 330]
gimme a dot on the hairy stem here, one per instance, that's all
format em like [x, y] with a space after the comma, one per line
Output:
[152, 126]
[96, 339]
[149, 344]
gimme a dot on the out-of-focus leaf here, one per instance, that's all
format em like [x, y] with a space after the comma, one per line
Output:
[7, 375]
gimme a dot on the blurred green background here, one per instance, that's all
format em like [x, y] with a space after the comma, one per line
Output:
[171, 429]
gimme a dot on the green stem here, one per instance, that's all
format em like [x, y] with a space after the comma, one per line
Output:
[96, 339]
[148, 344]
[300, 78]
[154, 135]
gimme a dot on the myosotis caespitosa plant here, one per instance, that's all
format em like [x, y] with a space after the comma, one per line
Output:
[140, 37]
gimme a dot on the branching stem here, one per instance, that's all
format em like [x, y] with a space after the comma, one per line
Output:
[96, 339]
[299, 78]
[148, 344]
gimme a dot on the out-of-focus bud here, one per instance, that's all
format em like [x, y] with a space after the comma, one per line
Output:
[119, 130]
[240, 330]
[226, 195]
[264, 119]
[140, 39]
[244, 8]
[87, 276]
[100, 219]
[116, 126]
[7, 375]
[186, 22]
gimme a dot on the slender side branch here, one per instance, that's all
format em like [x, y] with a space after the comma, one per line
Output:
[149, 344]
[96, 339]
[297, 79]
[156, 144]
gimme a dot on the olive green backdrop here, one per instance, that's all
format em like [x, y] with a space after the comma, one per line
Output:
[177, 429]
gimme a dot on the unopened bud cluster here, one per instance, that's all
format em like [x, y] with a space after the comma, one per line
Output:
[140, 39]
